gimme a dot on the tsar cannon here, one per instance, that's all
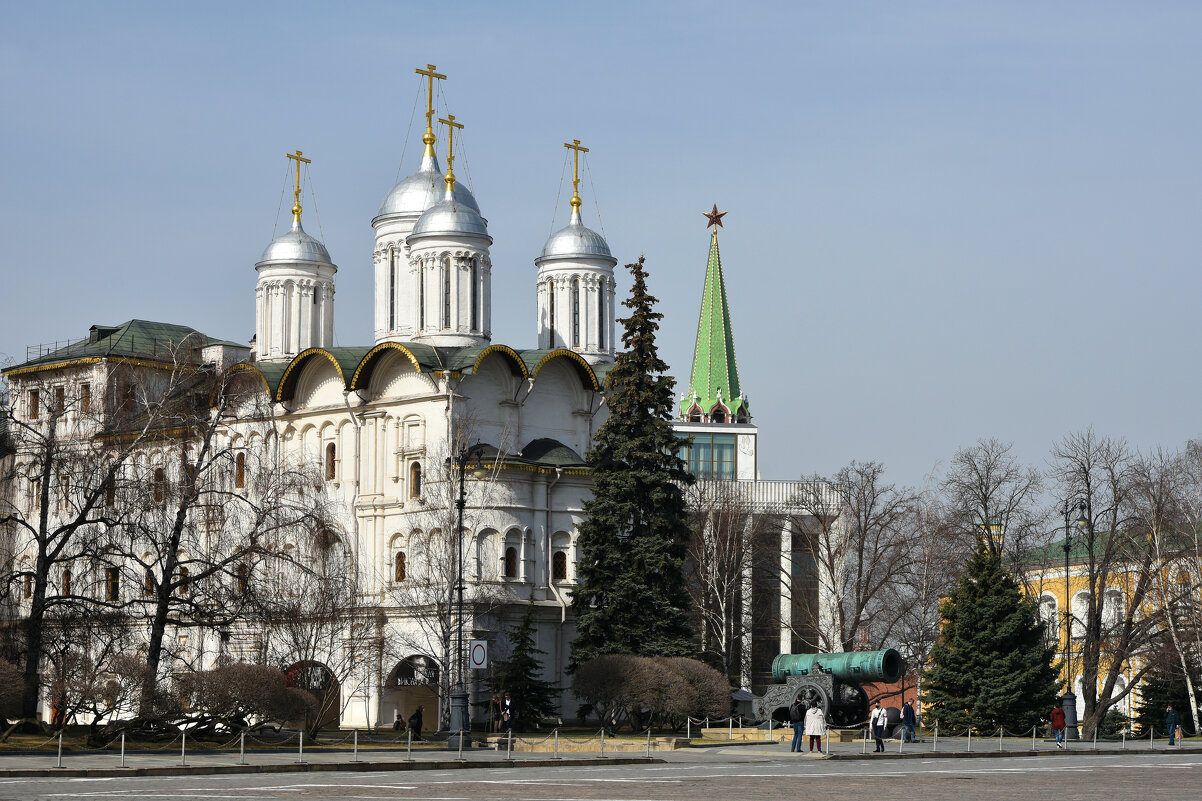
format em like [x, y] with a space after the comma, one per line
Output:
[830, 681]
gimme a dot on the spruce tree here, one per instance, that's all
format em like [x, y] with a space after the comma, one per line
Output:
[533, 697]
[630, 597]
[991, 666]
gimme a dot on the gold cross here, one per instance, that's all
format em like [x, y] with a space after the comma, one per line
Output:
[577, 150]
[428, 136]
[451, 126]
[296, 206]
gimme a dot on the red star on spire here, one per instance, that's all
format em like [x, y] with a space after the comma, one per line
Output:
[714, 217]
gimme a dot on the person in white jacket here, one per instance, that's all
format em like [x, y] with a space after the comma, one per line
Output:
[815, 727]
[877, 720]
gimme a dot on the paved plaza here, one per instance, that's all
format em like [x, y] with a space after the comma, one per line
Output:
[727, 771]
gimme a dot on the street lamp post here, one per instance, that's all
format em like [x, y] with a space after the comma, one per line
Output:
[460, 720]
[1068, 701]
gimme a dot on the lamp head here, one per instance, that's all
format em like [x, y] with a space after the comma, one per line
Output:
[1082, 521]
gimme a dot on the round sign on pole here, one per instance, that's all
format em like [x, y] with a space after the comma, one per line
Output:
[477, 655]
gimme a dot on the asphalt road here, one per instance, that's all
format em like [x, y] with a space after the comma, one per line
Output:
[726, 774]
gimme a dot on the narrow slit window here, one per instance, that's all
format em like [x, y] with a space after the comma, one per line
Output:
[398, 569]
[112, 585]
[85, 398]
[576, 313]
[551, 311]
[415, 480]
[331, 461]
[511, 562]
[446, 293]
[391, 289]
[559, 567]
[240, 470]
[475, 295]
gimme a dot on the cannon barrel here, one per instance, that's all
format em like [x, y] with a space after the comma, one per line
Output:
[855, 667]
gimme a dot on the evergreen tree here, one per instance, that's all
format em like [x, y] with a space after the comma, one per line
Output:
[630, 596]
[991, 666]
[521, 676]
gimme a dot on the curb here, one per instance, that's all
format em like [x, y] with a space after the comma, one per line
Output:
[316, 767]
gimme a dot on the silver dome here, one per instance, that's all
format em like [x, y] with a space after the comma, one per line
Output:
[574, 241]
[296, 245]
[450, 217]
[415, 194]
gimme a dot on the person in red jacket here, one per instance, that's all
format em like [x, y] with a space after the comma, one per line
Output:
[1057, 719]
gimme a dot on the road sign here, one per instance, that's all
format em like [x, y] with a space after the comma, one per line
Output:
[477, 654]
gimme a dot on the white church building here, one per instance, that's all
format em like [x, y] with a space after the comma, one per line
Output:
[384, 420]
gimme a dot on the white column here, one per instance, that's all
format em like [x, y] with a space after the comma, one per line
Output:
[786, 600]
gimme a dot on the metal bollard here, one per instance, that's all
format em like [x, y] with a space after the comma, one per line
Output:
[1124, 739]
[770, 731]
[648, 742]
[935, 742]
[60, 750]
[122, 749]
[731, 733]
[242, 749]
[864, 747]
[901, 741]
[556, 744]
[688, 727]
[300, 759]
[1034, 731]
[1151, 740]
[409, 746]
[1095, 738]
[970, 739]
[1000, 731]
[603, 742]
[183, 749]
[355, 747]
[461, 747]
[509, 744]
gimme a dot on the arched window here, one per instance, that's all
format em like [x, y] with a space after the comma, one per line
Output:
[551, 310]
[66, 584]
[415, 480]
[331, 461]
[511, 562]
[1080, 609]
[446, 293]
[242, 578]
[601, 315]
[398, 566]
[392, 289]
[183, 588]
[421, 295]
[148, 589]
[559, 567]
[475, 295]
[576, 313]
[112, 585]
[159, 485]
[718, 416]
[1047, 613]
[240, 470]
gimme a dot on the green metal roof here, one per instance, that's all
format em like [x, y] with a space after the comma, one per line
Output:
[715, 376]
[136, 339]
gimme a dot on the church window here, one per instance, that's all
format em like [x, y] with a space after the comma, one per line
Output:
[391, 289]
[551, 311]
[112, 585]
[415, 480]
[108, 492]
[242, 578]
[331, 461]
[159, 485]
[576, 313]
[421, 296]
[33, 405]
[718, 416]
[559, 566]
[148, 588]
[601, 315]
[66, 584]
[182, 586]
[511, 563]
[85, 398]
[398, 567]
[446, 293]
[240, 470]
[60, 400]
[475, 295]
[28, 585]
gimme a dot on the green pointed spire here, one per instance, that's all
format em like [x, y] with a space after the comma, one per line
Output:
[715, 377]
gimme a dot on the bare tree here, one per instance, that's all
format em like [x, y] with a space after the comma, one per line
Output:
[1118, 566]
[993, 494]
[861, 542]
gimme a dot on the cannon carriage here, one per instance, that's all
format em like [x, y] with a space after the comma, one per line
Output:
[829, 681]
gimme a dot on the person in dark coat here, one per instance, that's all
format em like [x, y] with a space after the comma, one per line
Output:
[1056, 718]
[797, 717]
[908, 722]
[1171, 720]
[415, 723]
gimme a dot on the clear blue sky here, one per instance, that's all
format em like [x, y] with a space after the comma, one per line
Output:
[946, 220]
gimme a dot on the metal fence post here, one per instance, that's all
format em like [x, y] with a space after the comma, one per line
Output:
[509, 744]
[864, 746]
[970, 739]
[122, 749]
[1095, 738]
[461, 747]
[770, 731]
[1034, 731]
[688, 727]
[409, 746]
[935, 743]
[1124, 739]
[556, 744]
[60, 750]
[648, 742]
[730, 735]
[300, 758]
[602, 741]
[1151, 739]
[242, 749]
[183, 748]
[1001, 730]
[355, 747]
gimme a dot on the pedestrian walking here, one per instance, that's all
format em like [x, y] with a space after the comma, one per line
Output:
[1171, 722]
[877, 721]
[1056, 718]
[908, 721]
[797, 717]
[507, 713]
[494, 712]
[815, 726]
[415, 723]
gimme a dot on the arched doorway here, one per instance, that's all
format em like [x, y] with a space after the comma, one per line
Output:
[317, 680]
[413, 682]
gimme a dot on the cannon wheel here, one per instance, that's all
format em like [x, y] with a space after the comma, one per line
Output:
[852, 711]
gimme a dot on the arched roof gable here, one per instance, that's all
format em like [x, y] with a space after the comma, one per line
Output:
[468, 361]
[541, 358]
[287, 385]
[424, 359]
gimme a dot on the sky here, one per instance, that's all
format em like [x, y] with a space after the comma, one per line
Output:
[946, 221]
